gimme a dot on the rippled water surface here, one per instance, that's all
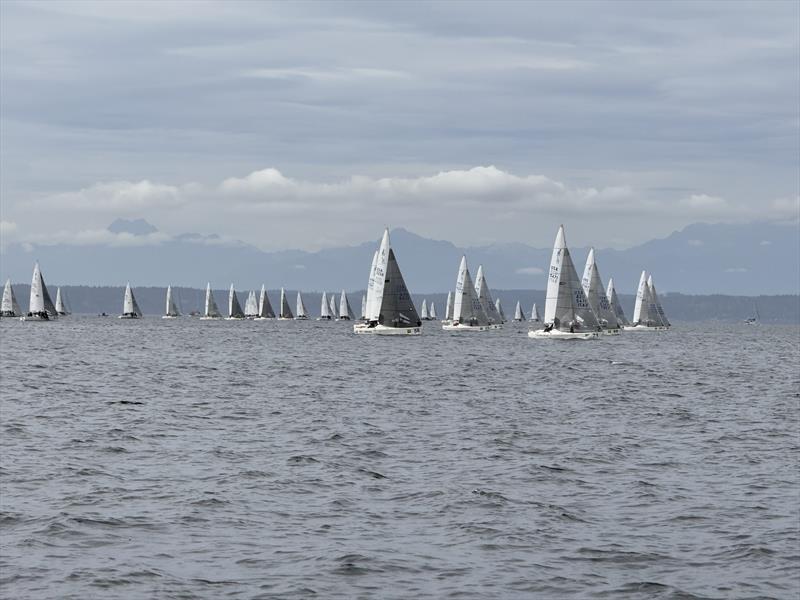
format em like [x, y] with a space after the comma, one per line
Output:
[191, 459]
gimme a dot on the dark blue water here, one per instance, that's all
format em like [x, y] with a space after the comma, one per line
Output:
[191, 459]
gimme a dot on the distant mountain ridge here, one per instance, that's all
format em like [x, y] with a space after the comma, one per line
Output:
[748, 259]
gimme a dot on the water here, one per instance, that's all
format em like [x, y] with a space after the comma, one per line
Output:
[188, 459]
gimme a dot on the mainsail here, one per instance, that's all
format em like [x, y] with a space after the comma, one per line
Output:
[251, 305]
[363, 306]
[566, 307]
[518, 314]
[130, 308]
[300, 308]
[499, 308]
[611, 294]
[659, 310]
[596, 294]
[10, 307]
[423, 313]
[485, 297]
[332, 304]
[379, 278]
[324, 309]
[448, 308]
[467, 309]
[432, 311]
[61, 307]
[370, 287]
[171, 308]
[40, 303]
[234, 308]
[264, 307]
[285, 311]
[642, 309]
[345, 312]
[535, 314]
[211, 310]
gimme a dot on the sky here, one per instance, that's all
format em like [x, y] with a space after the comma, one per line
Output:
[311, 125]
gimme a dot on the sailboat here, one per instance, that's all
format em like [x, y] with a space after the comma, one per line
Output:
[61, 307]
[432, 312]
[485, 298]
[235, 312]
[301, 314]
[613, 300]
[211, 310]
[749, 320]
[251, 306]
[423, 312]
[171, 311]
[390, 309]
[363, 307]
[130, 308]
[499, 308]
[448, 308]
[264, 307]
[332, 304]
[645, 311]
[285, 313]
[40, 306]
[662, 317]
[10, 306]
[518, 314]
[567, 314]
[345, 312]
[324, 309]
[468, 313]
[597, 298]
[535, 314]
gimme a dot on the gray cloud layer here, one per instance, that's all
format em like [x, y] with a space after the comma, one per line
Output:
[624, 119]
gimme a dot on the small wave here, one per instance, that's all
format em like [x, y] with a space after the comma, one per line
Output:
[301, 459]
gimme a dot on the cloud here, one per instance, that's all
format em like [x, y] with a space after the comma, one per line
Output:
[117, 198]
[529, 271]
[8, 232]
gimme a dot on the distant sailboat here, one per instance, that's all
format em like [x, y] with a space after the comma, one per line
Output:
[432, 312]
[363, 307]
[345, 312]
[61, 306]
[499, 308]
[390, 309]
[264, 307]
[301, 314]
[130, 308]
[468, 312]
[423, 311]
[210, 311]
[171, 310]
[324, 309]
[235, 312]
[518, 314]
[749, 320]
[535, 314]
[10, 306]
[645, 311]
[285, 313]
[662, 317]
[40, 306]
[448, 308]
[613, 300]
[251, 306]
[485, 298]
[567, 314]
[597, 298]
[332, 304]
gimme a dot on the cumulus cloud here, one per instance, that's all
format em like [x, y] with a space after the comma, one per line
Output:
[8, 232]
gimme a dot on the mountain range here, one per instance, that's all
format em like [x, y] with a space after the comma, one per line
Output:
[744, 259]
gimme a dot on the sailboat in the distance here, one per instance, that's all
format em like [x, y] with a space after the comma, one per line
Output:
[171, 310]
[40, 306]
[210, 310]
[10, 306]
[130, 308]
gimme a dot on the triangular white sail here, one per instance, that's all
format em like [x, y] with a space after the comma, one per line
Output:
[171, 309]
[659, 310]
[40, 306]
[371, 286]
[613, 300]
[10, 307]
[566, 307]
[432, 311]
[641, 309]
[332, 304]
[499, 308]
[448, 308]
[234, 308]
[423, 313]
[61, 307]
[363, 306]
[285, 311]
[379, 278]
[324, 309]
[596, 294]
[345, 312]
[130, 308]
[518, 314]
[300, 308]
[264, 306]
[467, 308]
[211, 310]
[535, 314]
[251, 305]
[485, 297]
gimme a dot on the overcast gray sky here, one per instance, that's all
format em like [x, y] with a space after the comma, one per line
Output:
[315, 124]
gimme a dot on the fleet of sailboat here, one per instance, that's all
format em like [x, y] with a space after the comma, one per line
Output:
[647, 312]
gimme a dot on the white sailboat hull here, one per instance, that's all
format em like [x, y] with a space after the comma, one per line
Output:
[645, 328]
[210, 318]
[285, 318]
[264, 319]
[169, 316]
[35, 318]
[324, 319]
[611, 331]
[556, 334]
[462, 327]
[301, 318]
[128, 317]
[364, 329]
[234, 318]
